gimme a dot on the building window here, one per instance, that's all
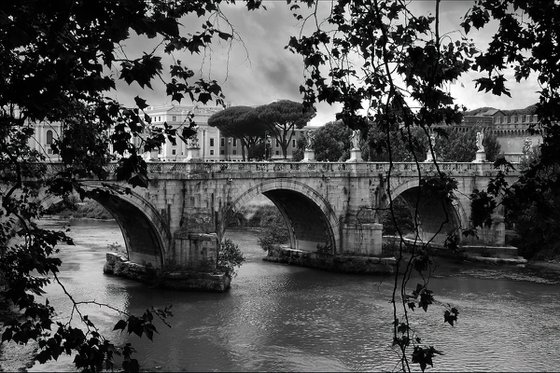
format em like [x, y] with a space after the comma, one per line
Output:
[211, 141]
[277, 143]
[234, 152]
[211, 151]
[174, 118]
[49, 137]
[293, 143]
[234, 143]
[173, 152]
[222, 141]
[222, 152]
[49, 141]
[277, 152]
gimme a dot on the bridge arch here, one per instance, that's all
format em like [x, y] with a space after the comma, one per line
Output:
[145, 233]
[431, 212]
[311, 219]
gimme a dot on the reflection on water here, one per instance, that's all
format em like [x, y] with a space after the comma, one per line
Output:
[284, 318]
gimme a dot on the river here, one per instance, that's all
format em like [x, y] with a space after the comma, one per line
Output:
[283, 318]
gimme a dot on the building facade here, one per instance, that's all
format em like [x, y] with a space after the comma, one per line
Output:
[177, 117]
[45, 134]
[510, 127]
[212, 146]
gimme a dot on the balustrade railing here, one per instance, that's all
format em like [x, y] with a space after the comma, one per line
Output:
[396, 168]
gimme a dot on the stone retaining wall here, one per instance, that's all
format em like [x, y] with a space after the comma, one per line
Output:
[339, 263]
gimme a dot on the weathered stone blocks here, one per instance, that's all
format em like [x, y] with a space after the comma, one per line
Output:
[335, 263]
[195, 250]
[362, 239]
[182, 280]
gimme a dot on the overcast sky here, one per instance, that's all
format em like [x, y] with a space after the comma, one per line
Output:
[259, 70]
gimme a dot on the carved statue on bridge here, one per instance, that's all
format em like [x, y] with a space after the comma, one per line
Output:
[431, 146]
[355, 139]
[479, 140]
[309, 136]
[193, 142]
[527, 144]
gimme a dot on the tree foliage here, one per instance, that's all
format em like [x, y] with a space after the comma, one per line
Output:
[453, 145]
[390, 66]
[60, 62]
[527, 41]
[399, 218]
[283, 117]
[272, 236]
[243, 123]
[229, 257]
[397, 145]
[331, 142]
[381, 61]
[532, 208]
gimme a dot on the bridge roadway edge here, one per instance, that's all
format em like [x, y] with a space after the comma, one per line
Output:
[181, 193]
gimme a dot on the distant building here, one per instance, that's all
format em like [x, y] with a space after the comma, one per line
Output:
[209, 138]
[45, 134]
[276, 149]
[212, 145]
[511, 128]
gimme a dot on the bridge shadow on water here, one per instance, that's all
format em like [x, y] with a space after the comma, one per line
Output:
[283, 318]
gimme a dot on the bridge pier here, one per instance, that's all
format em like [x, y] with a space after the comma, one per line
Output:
[173, 225]
[495, 235]
[172, 279]
[190, 265]
[194, 251]
[361, 252]
[362, 239]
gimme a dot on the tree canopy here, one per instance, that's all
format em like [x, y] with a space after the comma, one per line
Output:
[241, 122]
[381, 61]
[331, 142]
[453, 145]
[283, 117]
[61, 61]
[390, 65]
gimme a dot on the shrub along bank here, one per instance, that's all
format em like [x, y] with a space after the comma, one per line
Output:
[74, 208]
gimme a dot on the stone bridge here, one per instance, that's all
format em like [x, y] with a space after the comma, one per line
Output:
[179, 219]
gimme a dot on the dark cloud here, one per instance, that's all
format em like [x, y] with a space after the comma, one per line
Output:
[257, 69]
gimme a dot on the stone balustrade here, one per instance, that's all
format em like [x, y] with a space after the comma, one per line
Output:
[242, 169]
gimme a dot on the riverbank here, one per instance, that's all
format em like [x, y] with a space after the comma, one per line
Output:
[17, 358]
[14, 357]
[289, 318]
[549, 266]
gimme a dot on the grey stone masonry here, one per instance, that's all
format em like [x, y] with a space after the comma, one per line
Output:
[176, 223]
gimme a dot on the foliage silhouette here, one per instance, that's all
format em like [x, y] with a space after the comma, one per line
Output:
[383, 63]
[283, 117]
[331, 142]
[60, 61]
[243, 123]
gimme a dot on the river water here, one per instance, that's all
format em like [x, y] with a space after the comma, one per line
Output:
[284, 318]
